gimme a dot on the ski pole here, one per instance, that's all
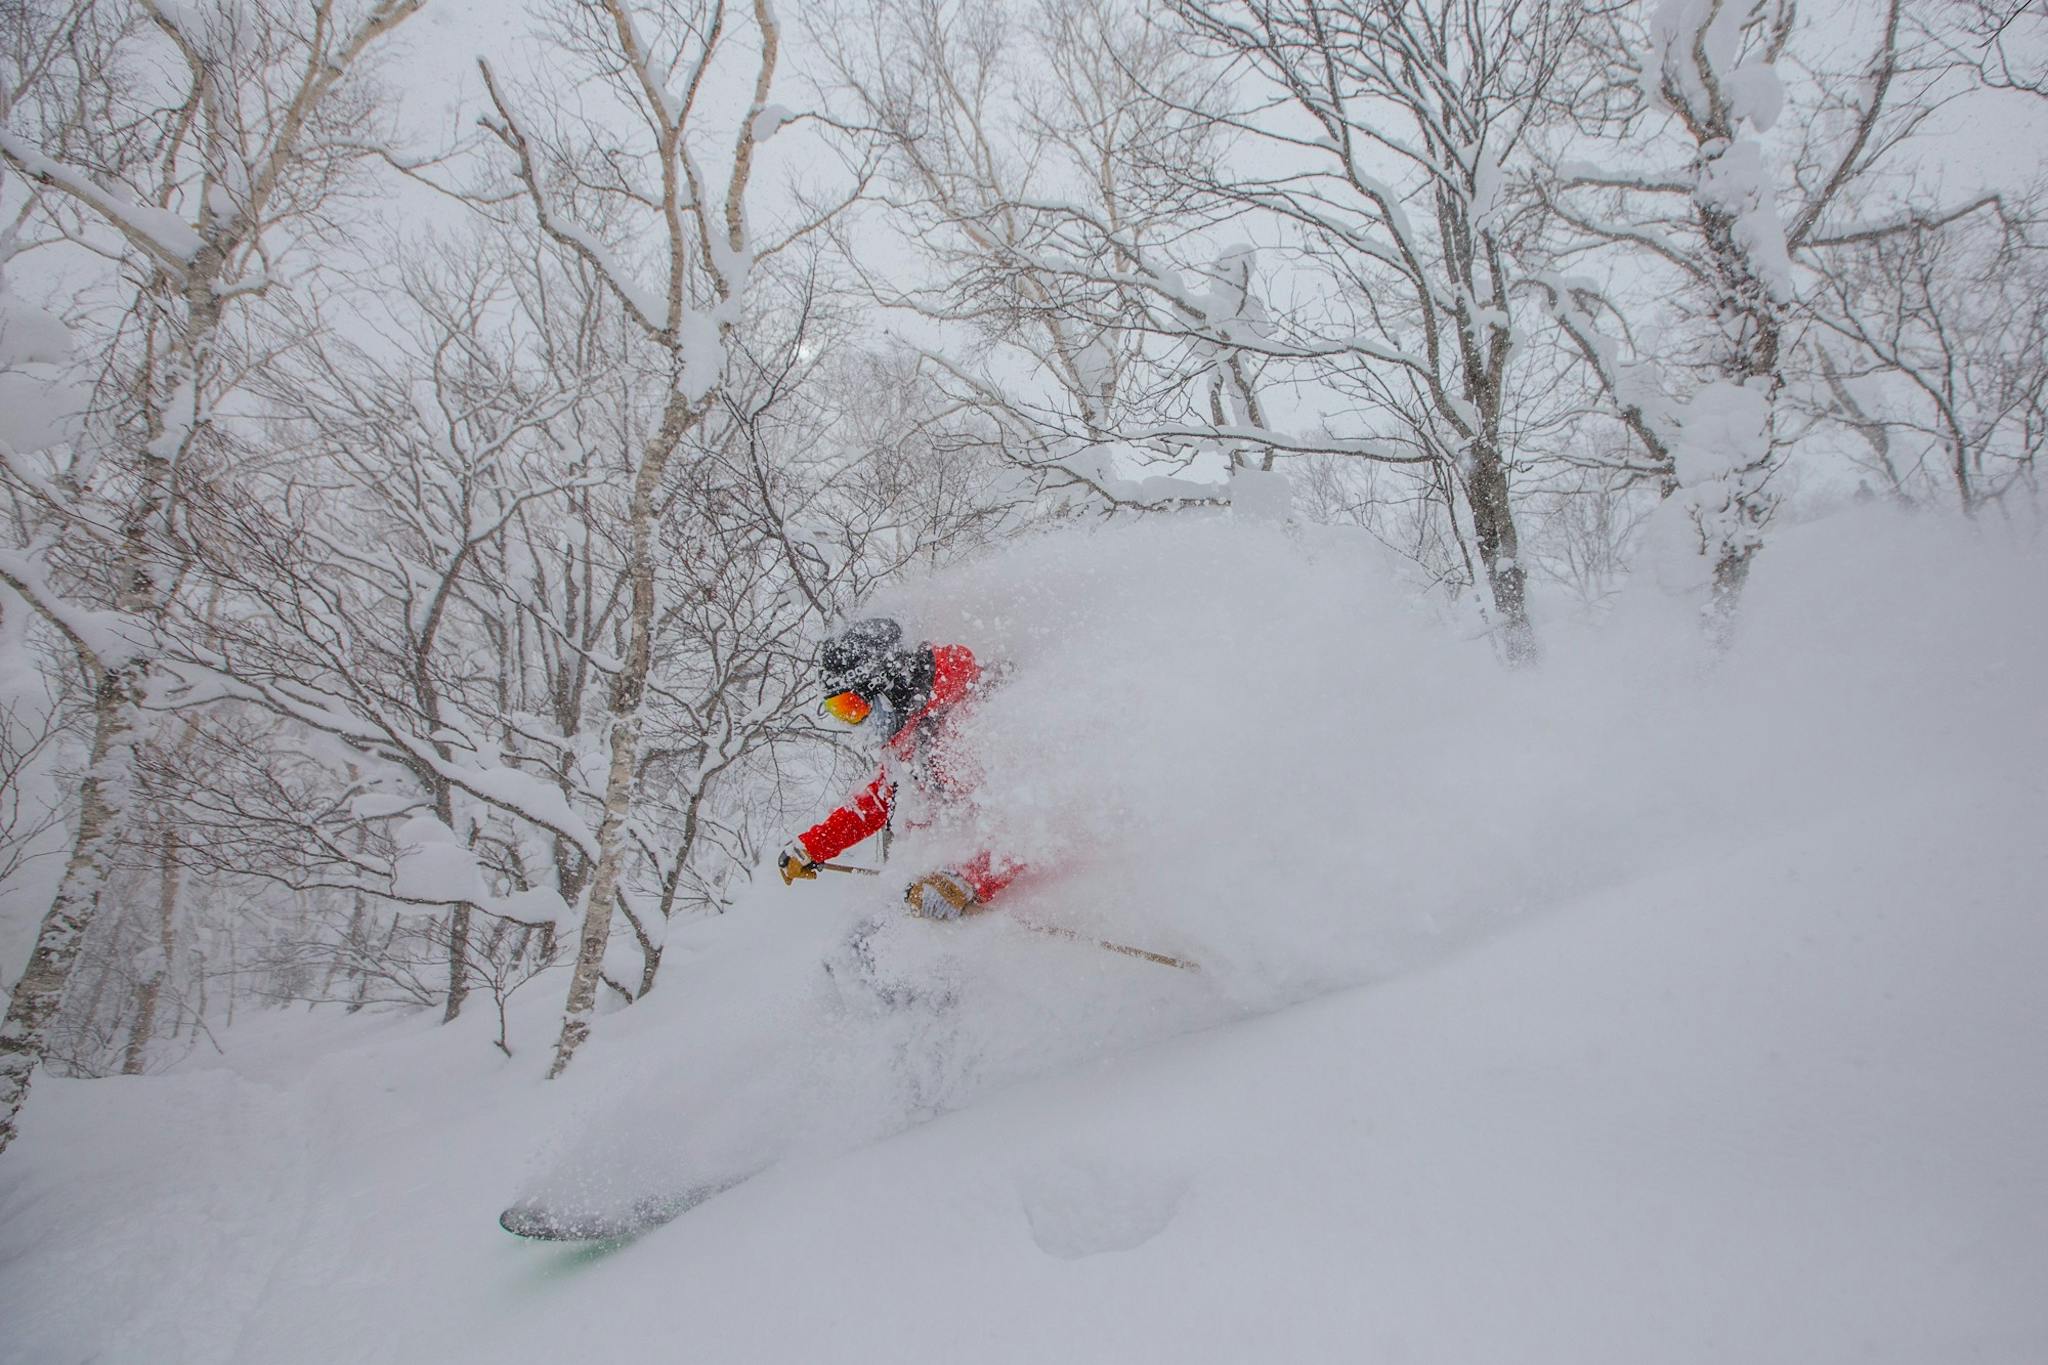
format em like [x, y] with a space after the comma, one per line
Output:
[1164, 960]
[1054, 931]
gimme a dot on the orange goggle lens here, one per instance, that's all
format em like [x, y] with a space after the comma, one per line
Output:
[850, 707]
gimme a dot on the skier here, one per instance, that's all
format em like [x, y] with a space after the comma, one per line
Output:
[922, 692]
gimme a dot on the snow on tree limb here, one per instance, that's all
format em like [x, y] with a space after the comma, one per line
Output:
[165, 237]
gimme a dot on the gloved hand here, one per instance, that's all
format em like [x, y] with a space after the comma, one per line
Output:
[795, 861]
[940, 895]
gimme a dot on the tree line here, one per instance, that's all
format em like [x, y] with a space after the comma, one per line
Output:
[403, 601]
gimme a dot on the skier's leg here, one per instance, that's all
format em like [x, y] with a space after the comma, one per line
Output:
[987, 875]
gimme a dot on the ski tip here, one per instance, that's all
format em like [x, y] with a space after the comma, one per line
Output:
[532, 1223]
[535, 1224]
[538, 1223]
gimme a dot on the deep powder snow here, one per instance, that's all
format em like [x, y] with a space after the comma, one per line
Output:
[1637, 1008]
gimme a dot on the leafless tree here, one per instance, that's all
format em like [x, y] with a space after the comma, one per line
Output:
[1724, 241]
[1017, 142]
[592, 190]
[1380, 140]
[205, 176]
[2004, 41]
[1935, 356]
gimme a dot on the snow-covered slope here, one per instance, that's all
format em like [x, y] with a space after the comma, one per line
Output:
[1627, 1012]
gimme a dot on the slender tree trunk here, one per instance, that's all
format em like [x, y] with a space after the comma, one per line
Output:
[142, 1025]
[363, 968]
[628, 693]
[91, 1013]
[1752, 318]
[356, 947]
[597, 913]
[458, 920]
[458, 961]
[198, 1006]
[40, 991]
[1493, 525]
[650, 951]
[151, 991]
[352, 945]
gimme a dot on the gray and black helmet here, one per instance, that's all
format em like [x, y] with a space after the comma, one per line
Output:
[867, 657]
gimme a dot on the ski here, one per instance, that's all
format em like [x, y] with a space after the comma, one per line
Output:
[538, 1223]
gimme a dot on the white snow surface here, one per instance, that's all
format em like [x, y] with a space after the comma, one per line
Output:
[1629, 1010]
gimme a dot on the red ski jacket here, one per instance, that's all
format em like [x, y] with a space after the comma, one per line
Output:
[917, 752]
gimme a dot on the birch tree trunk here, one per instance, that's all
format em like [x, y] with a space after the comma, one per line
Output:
[41, 988]
[628, 694]
[150, 992]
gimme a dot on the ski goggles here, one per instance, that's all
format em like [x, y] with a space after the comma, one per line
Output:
[850, 707]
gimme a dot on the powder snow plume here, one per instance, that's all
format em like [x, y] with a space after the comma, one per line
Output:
[1246, 744]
